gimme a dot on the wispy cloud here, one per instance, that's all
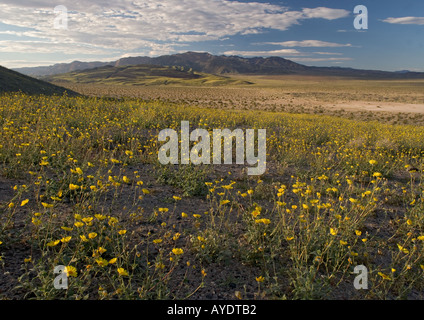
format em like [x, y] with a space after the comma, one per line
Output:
[329, 53]
[310, 43]
[293, 54]
[320, 59]
[282, 52]
[405, 20]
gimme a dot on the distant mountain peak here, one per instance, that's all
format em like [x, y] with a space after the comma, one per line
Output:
[213, 64]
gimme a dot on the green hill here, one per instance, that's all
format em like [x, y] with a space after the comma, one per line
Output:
[142, 75]
[12, 81]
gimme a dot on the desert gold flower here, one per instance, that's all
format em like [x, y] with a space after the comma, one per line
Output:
[112, 221]
[333, 231]
[264, 221]
[255, 213]
[404, 250]
[66, 239]
[177, 251]
[126, 179]
[101, 250]
[122, 232]
[71, 271]
[260, 279]
[46, 205]
[73, 186]
[102, 262]
[92, 235]
[36, 221]
[87, 220]
[53, 243]
[24, 202]
[122, 272]
[78, 224]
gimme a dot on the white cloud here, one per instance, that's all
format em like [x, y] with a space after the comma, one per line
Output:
[320, 59]
[309, 43]
[293, 54]
[151, 26]
[325, 13]
[405, 20]
[282, 52]
[329, 53]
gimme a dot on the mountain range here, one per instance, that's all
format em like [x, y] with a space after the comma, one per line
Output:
[221, 65]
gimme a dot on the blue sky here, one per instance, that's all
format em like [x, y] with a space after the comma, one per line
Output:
[311, 32]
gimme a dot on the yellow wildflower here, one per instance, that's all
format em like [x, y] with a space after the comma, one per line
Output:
[177, 251]
[92, 235]
[122, 272]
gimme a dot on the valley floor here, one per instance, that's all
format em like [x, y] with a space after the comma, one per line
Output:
[81, 186]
